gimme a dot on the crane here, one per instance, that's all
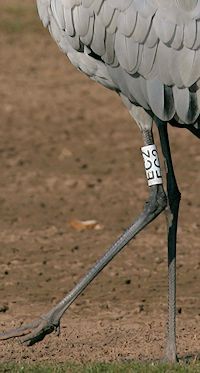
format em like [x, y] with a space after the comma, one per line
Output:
[148, 52]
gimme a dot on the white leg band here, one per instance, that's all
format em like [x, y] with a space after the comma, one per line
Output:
[152, 164]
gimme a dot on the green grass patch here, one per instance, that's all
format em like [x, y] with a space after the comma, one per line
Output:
[16, 17]
[194, 367]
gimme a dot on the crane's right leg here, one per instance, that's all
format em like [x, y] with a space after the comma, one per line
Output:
[174, 197]
[157, 202]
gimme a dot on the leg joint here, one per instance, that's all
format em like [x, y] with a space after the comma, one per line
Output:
[174, 197]
[157, 201]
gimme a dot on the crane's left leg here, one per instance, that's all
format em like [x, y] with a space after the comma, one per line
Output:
[174, 197]
[156, 203]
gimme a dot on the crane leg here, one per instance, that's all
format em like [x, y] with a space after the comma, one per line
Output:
[174, 197]
[36, 331]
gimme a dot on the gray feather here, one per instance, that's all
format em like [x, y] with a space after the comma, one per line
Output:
[127, 21]
[160, 99]
[43, 11]
[146, 50]
[98, 40]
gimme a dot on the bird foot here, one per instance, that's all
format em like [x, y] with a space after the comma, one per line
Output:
[29, 334]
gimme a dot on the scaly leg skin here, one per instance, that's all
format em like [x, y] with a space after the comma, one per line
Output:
[36, 331]
[174, 197]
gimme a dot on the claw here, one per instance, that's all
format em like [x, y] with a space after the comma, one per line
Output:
[18, 332]
[33, 332]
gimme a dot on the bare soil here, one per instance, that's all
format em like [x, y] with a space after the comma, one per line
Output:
[69, 150]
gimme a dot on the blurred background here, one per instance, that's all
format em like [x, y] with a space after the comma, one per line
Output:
[70, 151]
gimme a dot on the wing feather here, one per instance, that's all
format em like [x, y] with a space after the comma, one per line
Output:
[87, 38]
[189, 112]
[127, 21]
[57, 9]
[106, 14]
[190, 34]
[43, 11]
[109, 55]
[141, 28]
[164, 106]
[196, 44]
[69, 24]
[81, 19]
[164, 29]
[147, 60]
[146, 49]
[98, 40]
[127, 52]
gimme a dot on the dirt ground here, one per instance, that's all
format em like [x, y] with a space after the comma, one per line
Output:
[69, 150]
